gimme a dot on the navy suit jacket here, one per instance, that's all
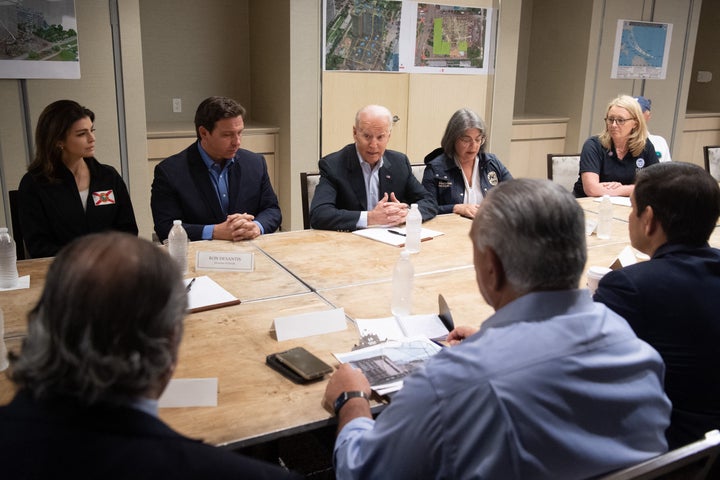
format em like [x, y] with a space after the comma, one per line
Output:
[340, 195]
[61, 439]
[182, 190]
[673, 302]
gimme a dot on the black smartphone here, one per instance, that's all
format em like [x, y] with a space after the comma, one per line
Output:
[303, 363]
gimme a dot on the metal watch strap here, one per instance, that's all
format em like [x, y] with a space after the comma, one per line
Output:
[345, 396]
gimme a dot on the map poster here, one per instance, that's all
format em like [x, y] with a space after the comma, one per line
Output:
[641, 50]
[38, 39]
[406, 36]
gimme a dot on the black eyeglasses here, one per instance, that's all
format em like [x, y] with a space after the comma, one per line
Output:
[618, 120]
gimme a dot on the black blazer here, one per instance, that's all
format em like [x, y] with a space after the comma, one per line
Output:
[182, 190]
[51, 214]
[61, 439]
[672, 302]
[340, 195]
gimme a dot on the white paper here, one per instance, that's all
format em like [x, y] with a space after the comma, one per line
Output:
[206, 292]
[23, 282]
[400, 328]
[190, 392]
[624, 201]
[394, 235]
[308, 324]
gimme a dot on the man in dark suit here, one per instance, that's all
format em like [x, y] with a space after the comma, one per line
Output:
[365, 185]
[217, 189]
[102, 344]
[672, 301]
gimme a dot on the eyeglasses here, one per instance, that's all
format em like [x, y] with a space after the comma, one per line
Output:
[618, 120]
[467, 140]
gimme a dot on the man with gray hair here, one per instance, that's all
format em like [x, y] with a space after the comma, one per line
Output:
[552, 386]
[102, 345]
[364, 184]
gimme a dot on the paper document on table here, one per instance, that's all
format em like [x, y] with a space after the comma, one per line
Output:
[624, 201]
[386, 364]
[190, 392]
[398, 328]
[394, 235]
[205, 294]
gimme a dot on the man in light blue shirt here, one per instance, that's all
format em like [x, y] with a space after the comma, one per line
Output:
[551, 386]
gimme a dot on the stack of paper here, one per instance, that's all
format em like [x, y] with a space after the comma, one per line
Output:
[395, 235]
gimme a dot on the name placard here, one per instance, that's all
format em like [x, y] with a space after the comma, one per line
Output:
[225, 261]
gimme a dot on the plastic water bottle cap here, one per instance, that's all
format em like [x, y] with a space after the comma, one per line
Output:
[3, 230]
[177, 222]
[404, 254]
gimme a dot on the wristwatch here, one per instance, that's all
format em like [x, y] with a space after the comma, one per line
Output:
[345, 396]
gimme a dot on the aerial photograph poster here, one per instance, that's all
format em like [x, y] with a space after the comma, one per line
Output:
[406, 36]
[38, 39]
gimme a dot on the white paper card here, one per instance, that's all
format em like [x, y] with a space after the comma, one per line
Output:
[308, 324]
[23, 282]
[190, 392]
[624, 201]
[226, 261]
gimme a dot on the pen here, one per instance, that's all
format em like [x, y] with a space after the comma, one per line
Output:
[397, 233]
[187, 289]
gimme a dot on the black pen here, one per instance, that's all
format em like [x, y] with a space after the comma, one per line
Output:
[397, 233]
[187, 289]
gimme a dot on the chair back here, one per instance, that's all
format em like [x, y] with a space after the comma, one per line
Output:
[564, 169]
[712, 160]
[15, 221]
[308, 182]
[691, 462]
[418, 169]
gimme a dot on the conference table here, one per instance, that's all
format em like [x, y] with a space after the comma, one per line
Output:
[299, 272]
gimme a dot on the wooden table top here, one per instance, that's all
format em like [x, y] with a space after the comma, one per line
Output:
[298, 272]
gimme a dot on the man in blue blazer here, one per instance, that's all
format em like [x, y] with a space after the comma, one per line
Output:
[672, 301]
[217, 189]
[365, 185]
[101, 347]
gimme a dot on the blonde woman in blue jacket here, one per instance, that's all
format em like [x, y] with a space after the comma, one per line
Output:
[460, 173]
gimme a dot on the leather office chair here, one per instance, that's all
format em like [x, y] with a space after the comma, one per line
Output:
[691, 462]
[308, 182]
[418, 169]
[712, 160]
[563, 168]
[15, 221]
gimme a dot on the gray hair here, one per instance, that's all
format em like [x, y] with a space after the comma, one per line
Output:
[460, 121]
[537, 230]
[108, 323]
[374, 111]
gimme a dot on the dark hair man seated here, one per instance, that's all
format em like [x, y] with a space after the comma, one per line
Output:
[102, 344]
[552, 386]
[672, 301]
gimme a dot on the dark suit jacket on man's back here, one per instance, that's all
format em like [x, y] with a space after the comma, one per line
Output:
[341, 196]
[182, 190]
[61, 439]
[672, 302]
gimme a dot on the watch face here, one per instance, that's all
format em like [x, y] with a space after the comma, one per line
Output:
[344, 397]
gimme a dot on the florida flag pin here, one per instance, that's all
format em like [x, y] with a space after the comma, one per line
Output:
[104, 198]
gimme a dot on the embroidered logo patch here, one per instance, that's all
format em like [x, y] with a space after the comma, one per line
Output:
[103, 198]
[492, 178]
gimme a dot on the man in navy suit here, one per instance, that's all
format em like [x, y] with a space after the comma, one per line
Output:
[365, 185]
[102, 344]
[672, 301]
[217, 189]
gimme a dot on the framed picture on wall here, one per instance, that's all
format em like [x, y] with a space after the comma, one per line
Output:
[641, 50]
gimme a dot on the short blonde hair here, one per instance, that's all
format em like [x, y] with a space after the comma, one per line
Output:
[638, 136]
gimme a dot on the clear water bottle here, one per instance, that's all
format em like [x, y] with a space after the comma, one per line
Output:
[402, 285]
[413, 226]
[178, 245]
[8, 260]
[605, 217]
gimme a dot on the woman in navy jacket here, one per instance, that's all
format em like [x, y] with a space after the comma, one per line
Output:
[460, 173]
[66, 192]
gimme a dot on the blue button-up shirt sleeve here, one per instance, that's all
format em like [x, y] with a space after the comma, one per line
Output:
[207, 232]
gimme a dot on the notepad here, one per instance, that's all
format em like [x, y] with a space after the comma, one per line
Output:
[206, 294]
[394, 235]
